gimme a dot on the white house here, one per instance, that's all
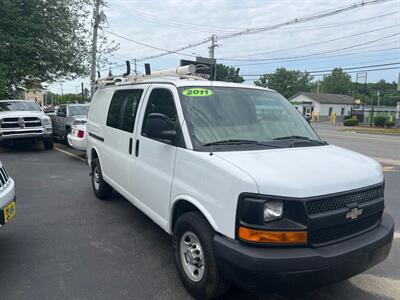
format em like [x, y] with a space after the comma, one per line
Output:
[323, 104]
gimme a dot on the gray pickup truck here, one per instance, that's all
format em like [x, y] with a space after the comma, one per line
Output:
[24, 120]
[67, 116]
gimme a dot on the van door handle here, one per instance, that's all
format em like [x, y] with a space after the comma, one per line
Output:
[130, 145]
[137, 148]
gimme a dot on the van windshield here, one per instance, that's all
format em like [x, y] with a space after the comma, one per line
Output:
[228, 117]
[19, 106]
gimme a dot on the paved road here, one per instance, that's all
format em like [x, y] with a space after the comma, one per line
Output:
[66, 244]
[383, 147]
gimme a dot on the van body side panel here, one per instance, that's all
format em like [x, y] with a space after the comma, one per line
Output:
[214, 183]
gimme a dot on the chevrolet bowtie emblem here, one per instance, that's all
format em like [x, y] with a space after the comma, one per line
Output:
[354, 213]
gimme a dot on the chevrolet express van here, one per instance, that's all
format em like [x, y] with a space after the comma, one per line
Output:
[246, 188]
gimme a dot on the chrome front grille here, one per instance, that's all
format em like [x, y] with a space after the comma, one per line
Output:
[4, 178]
[20, 122]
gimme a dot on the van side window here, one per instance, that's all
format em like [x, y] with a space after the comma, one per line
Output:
[129, 110]
[123, 108]
[161, 101]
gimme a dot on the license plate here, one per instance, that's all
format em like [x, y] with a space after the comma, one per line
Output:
[9, 212]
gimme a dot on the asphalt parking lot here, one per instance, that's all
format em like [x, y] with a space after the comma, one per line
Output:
[66, 244]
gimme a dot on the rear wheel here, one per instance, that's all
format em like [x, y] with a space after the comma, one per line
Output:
[193, 242]
[101, 188]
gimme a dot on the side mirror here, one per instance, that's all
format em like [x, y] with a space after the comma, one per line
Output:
[157, 127]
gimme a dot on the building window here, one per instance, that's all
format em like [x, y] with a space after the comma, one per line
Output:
[330, 111]
[342, 111]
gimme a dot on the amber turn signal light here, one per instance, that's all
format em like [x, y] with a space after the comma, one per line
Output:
[273, 237]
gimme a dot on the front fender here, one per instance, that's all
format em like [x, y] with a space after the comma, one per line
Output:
[195, 203]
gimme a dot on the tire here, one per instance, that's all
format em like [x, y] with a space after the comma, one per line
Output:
[65, 137]
[101, 189]
[48, 144]
[210, 282]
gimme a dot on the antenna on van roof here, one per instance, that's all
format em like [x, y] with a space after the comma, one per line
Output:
[147, 69]
[128, 68]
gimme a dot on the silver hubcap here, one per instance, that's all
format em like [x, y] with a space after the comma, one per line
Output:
[192, 257]
[96, 178]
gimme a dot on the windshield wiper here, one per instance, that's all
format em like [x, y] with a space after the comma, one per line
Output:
[240, 142]
[302, 138]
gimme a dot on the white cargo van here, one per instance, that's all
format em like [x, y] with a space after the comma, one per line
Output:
[244, 185]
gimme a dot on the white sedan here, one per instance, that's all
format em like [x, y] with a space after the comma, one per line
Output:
[77, 137]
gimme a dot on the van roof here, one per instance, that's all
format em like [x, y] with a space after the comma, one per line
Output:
[189, 82]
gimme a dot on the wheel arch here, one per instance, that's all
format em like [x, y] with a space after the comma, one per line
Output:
[94, 153]
[183, 204]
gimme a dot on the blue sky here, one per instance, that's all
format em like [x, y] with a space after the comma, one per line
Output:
[159, 23]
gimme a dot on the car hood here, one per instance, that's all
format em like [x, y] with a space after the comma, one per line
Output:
[11, 114]
[306, 171]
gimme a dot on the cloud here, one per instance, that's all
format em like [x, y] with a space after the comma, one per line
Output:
[161, 29]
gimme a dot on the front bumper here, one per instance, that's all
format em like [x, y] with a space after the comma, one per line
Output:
[7, 195]
[38, 134]
[304, 268]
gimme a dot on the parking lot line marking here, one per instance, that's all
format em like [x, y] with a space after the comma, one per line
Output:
[380, 286]
[389, 169]
[70, 154]
[388, 161]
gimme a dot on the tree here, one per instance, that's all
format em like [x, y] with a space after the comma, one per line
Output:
[42, 41]
[338, 82]
[286, 82]
[226, 73]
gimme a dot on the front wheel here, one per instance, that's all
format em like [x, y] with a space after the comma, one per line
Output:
[101, 188]
[49, 144]
[193, 242]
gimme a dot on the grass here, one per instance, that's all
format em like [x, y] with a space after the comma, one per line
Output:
[376, 130]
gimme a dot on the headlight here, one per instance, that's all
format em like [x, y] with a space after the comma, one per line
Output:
[46, 121]
[273, 210]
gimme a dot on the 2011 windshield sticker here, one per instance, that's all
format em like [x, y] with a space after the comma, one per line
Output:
[198, 92]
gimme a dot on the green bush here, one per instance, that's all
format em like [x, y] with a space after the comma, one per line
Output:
[347, 117]
[379, 121]
[350, 122]
[389, 124]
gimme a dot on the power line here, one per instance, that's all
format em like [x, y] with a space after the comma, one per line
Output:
[260, 29]
[313, 44]
[318, 53]
[144, 44]
[362, 70]
[344, 69]
[302, 19]
[318, 27]
[320, 57]
[144, 15]
[163, 21]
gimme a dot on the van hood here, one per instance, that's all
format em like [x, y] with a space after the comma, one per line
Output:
[306, 171]
[23, 113]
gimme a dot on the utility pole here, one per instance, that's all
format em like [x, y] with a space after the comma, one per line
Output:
[211, 51]
[96, 22]
[135, 63]
[213, 45]
[82, 88]
[62, 92]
